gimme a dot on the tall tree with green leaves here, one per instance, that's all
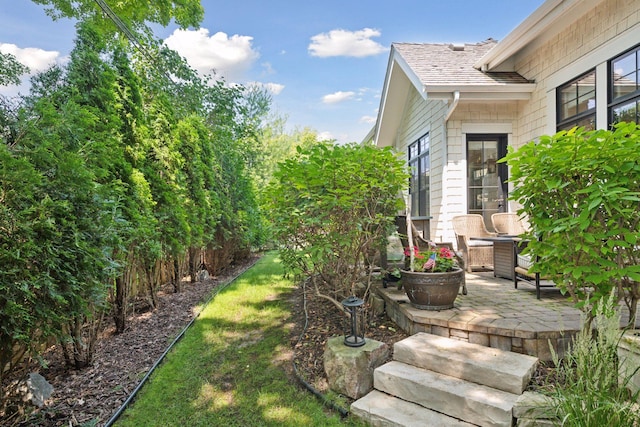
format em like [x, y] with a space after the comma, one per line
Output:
[186, 13]
[10, 69]
[140, 244]
[88, 126]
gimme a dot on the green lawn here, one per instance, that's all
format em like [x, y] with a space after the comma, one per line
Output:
[229, 368]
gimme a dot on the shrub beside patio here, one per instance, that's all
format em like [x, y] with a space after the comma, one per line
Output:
[580, 191]
[581, 194]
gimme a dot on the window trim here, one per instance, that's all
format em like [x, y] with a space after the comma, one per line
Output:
[576, 118]
[613, 103]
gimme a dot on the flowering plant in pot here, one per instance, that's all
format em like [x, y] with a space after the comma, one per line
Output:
[434, 279]
[434, 260]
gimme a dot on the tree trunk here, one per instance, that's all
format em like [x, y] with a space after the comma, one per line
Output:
[194, 263]
[120, 304]
[177, 276]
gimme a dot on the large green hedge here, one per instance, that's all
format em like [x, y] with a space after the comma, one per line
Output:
[114, 180]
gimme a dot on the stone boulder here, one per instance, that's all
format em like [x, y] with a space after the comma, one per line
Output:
[350, 369]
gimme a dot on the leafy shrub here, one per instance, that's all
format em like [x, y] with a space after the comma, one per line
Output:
[333, 208]
[581, 192]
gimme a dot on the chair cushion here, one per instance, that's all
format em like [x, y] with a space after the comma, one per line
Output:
[476, 243]
[524, 261]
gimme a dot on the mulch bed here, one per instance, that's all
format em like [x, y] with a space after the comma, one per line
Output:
[120, 360]
[324, 322]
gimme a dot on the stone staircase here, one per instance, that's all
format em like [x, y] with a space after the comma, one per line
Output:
[435, 381]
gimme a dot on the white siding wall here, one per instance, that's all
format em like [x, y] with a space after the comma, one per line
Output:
[602, 33]
[469, 118]
[419, 118]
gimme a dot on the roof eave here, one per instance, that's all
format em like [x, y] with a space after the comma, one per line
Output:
[385, 109]
[521, 91]
[542, 22]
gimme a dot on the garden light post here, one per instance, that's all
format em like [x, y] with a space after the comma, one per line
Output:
[356, 337]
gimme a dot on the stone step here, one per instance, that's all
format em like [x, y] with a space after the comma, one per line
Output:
[492, 367]
[474, 403]
[379, 409]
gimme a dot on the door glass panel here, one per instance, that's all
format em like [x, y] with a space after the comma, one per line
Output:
[485, 183]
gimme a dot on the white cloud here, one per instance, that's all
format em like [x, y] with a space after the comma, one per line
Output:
[346, 43]
[230, 57]
[334, 98]
[325, 136]
[267, 68]
[272, 88]
[368, 119]
[36, 59]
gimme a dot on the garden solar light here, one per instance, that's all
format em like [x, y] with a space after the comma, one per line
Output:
[356, 338]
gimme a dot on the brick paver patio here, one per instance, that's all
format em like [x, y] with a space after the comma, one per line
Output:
[494, 314]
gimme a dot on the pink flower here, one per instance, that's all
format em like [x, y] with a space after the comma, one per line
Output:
[446, 253]
[407, 251]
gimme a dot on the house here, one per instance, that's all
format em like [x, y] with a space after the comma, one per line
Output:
[454, 108]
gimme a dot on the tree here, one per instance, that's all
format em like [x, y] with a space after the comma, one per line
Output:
[333, 208]
[140, 243]
[86, 125]
[581, 193]
[186, 13]
[10, 69]
[111, 173]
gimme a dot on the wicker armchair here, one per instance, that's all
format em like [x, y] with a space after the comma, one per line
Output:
[476, 253]
[509, 223]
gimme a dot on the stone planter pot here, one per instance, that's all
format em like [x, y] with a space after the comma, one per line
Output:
[629, 356]
[432, 291]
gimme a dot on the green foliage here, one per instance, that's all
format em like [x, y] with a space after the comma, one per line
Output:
[110, 174]
[278, 147]
[59, 225]
[186, 13]
[589, 392]
[581, 192]
[332, 208]
[10, 69]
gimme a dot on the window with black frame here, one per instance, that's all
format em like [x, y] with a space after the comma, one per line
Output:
[576, 103]
[419, 164]
[624, 87]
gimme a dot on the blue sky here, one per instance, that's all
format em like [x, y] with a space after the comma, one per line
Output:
[323, 61]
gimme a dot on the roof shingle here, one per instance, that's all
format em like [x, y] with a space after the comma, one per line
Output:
[442, 65]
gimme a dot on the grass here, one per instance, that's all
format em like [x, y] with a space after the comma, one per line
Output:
[229, 368]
